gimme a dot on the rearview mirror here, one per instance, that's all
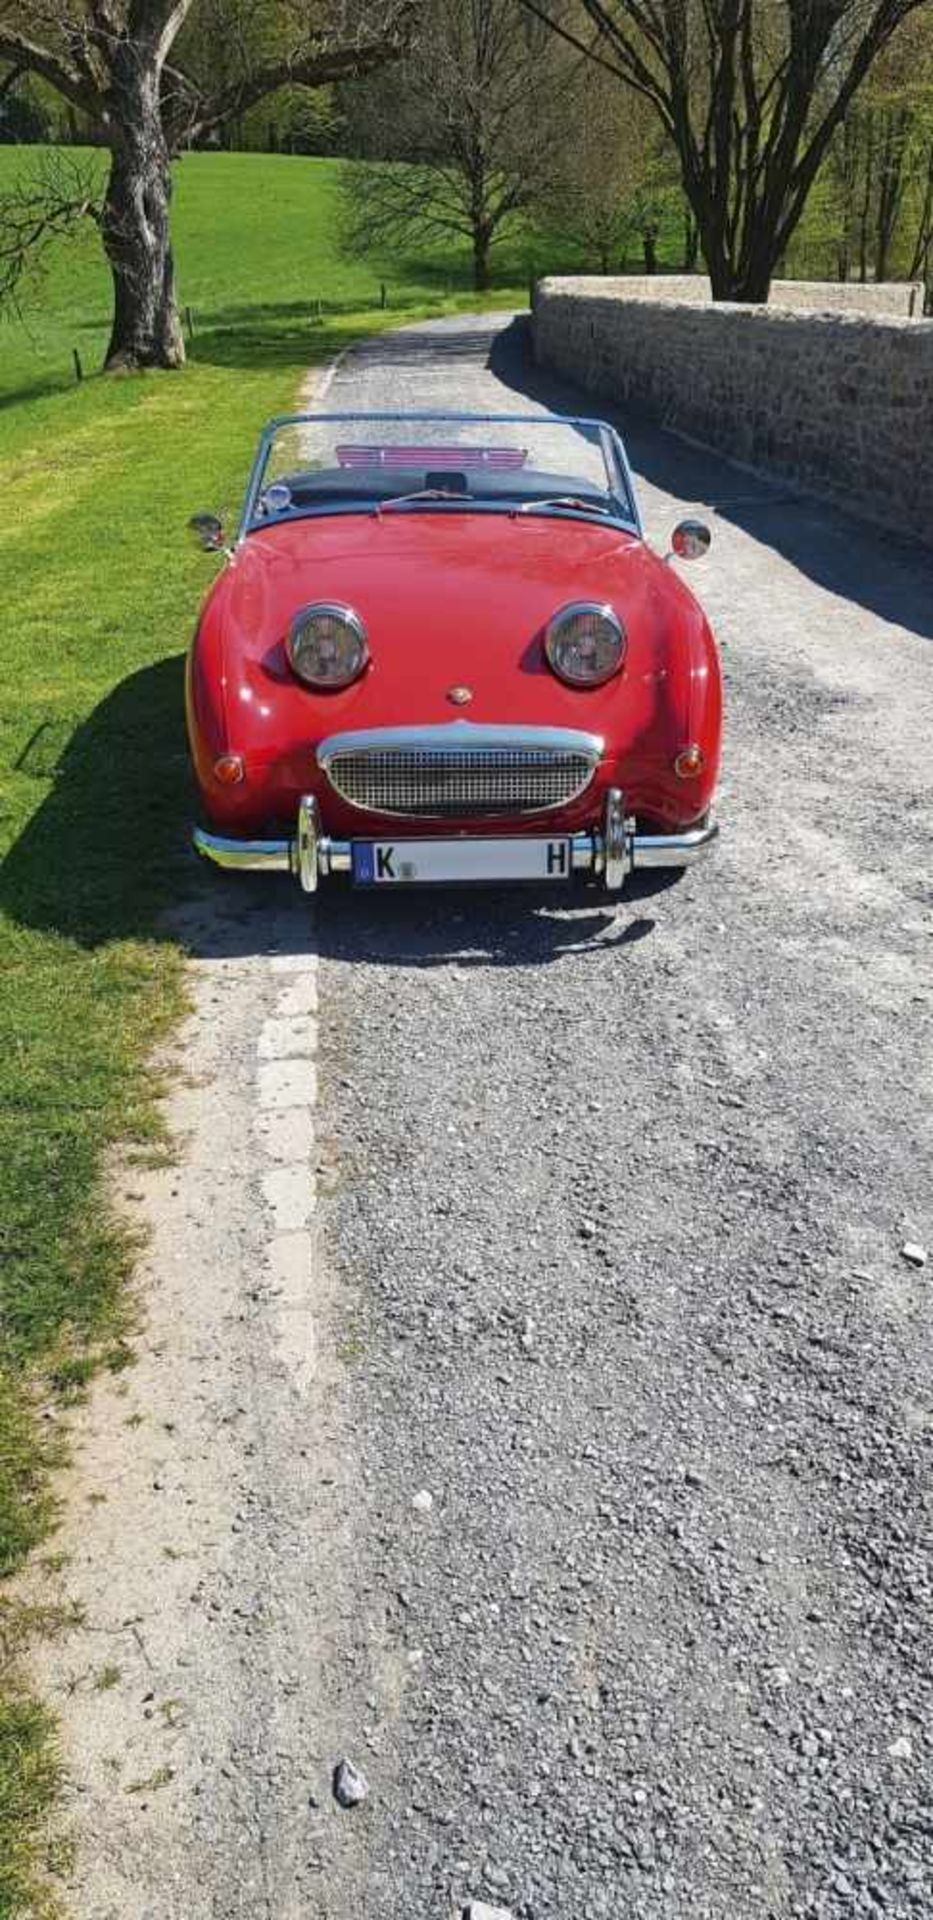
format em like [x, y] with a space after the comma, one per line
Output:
[690, 540]
[207, 531]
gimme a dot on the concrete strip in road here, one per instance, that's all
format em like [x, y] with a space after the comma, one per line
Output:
[193, 1471]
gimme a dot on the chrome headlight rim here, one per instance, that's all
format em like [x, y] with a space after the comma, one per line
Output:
[556, 636]
[355, 629]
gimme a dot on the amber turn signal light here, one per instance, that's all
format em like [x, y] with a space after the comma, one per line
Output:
[689, 762]
[229, 769]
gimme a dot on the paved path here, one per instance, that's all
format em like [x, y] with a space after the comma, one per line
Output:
[607, 1263]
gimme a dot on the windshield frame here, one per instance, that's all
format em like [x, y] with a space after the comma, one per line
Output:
[623, 506]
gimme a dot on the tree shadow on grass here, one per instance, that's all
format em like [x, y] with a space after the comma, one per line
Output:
[107, 846]
[285, 333]
[41, 389]
[293, 332]
[296, 343]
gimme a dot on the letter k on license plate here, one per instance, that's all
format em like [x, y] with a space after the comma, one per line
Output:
[436, 862]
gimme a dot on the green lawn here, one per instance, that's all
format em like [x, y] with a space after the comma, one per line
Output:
[100, 590]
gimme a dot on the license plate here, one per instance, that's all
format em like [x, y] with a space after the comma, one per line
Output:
[378, 863]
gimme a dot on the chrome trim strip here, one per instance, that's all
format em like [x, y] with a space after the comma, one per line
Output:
[463, 735]
[260, 856]
[447, 753]
[587, 851]
[307, 843]
[591, 853]
[673, 849]
[337, 610]
[561, 618]
[617, 839]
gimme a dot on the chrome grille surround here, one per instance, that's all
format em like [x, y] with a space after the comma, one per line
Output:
[460, 769]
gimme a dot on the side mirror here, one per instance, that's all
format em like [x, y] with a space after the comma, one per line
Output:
[207, 531]
[690, 540]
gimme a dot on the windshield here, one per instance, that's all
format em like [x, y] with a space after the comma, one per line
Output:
[438, 463]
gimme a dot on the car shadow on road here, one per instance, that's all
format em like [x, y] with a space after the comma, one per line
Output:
[481, 927]
[889, 575]
[236, 916]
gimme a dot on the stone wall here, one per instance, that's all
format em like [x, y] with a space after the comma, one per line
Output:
[898, 299]
[841, 403]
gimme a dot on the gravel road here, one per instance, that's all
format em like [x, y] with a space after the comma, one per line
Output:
[598, 1534]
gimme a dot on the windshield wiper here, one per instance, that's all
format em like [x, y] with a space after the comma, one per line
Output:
[424, 493]
[565, 500]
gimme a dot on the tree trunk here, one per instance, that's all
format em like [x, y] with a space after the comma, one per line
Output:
[649, 249]
[135, 220]
[480, 259]
[867, 198]
[890, 186]
[740, 276]
[920, 258]
[742, 282]
[691, 243]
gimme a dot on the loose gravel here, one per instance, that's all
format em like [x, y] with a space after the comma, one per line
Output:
[610, 1562]
[620, 1201]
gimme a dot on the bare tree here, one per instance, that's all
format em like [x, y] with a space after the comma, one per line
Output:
[122, 62]
[464, 132]
[48, 204]
[879, 160]
[615, 172]
[751, 93]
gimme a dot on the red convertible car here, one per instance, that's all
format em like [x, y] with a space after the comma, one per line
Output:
[440, 650]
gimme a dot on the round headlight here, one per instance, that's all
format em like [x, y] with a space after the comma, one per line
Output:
[585, 644]
[327, 645]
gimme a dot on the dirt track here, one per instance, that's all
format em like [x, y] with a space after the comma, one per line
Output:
[606, 1259]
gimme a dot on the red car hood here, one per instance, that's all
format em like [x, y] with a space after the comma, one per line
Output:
[448, 599]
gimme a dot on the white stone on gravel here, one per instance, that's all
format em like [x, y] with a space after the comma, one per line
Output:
[288, 1262]
[287, 1135]
[300, 996]
[478, 1910]
[350, 1785]
[289, 1193]
[423, 1501]
[283, 1039]
[300, 963]
[901, 1748]
[913, 1252]
[286, 1083]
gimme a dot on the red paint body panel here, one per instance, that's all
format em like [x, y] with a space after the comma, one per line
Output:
[448, 599]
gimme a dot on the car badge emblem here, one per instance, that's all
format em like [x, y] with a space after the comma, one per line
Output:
[460, 696]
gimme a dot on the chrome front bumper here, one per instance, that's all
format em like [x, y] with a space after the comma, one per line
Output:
[610, 855]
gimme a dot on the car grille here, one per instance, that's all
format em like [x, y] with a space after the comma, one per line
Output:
[439, 781]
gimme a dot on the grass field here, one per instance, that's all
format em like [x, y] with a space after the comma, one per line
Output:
[101, 587]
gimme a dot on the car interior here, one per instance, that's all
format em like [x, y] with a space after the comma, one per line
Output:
[483, 485]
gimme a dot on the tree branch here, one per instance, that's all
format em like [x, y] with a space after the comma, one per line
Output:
[49, 203]
[310, 66]
[171, 28]
[62, 74]
[9, 81]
